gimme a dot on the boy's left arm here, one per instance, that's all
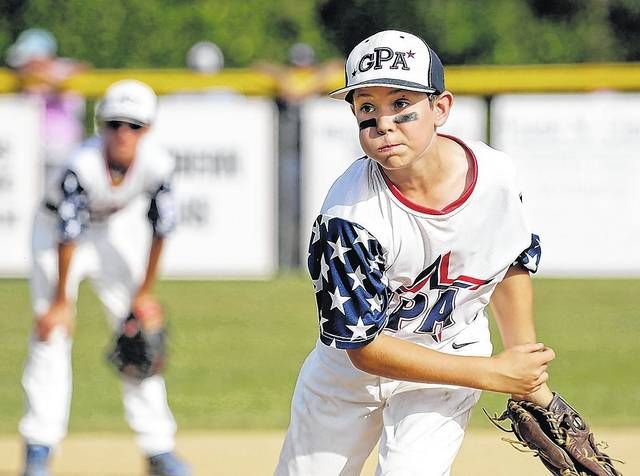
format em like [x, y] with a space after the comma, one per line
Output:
[544, 422]
[145, 305]
[512, 306]
[162, 217]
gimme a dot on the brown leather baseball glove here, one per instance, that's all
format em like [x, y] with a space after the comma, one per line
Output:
[558, 435]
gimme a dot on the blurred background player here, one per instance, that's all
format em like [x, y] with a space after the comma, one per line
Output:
[411, 243]
[41, 73]
[300, 79]
[88, 227]
[205, 57]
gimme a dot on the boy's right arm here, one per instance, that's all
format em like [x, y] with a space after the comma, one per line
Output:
[73, 216]
[60, 312]
[521, 369]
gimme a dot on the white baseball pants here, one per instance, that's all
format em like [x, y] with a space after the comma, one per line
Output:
[339, 413]
[113, 256]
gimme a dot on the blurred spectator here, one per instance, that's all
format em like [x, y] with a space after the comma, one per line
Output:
[301, 78]
[41, 72]
[302, 55]
[205, 57]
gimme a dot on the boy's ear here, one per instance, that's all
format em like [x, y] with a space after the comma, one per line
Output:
[442, 107]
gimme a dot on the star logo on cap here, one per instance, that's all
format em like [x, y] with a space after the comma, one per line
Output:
[410, 54]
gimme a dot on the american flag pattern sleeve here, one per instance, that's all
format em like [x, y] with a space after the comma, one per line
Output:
[73, 210]
[162, 210]
[530, 258]
[347, 265]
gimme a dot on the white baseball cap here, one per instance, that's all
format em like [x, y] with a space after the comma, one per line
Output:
[392, 58]
[128, 101]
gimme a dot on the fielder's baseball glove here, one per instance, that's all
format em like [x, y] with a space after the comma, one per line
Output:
[138, 352]
[558, 436]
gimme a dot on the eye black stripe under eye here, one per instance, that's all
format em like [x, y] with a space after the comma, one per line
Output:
[368, 123]
[401, 118]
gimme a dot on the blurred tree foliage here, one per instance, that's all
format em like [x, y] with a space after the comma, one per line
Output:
[496, 31]
[158, 33]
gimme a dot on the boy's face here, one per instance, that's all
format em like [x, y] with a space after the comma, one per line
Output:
[121, 141]
[397, 126]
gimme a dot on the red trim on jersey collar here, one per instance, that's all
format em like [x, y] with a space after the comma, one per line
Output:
[453, 205]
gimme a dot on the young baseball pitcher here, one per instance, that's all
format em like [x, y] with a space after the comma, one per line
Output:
[79, 232]
[412, 242]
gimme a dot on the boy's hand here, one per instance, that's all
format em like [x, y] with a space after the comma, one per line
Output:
[541, 397]
[521, 369]
[59, 314]
[148, 311]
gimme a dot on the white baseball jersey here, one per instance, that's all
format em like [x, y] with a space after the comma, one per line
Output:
[82, 206]
[85, 192]
[380, 263]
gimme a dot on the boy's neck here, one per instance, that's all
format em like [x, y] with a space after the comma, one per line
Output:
[438, 180]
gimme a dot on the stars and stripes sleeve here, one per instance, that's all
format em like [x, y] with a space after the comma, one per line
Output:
[73, 210]
[530, 257]
[346, 264]
[162, 210]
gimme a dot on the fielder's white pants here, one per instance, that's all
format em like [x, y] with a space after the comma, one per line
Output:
[113, 257]
[339, 413]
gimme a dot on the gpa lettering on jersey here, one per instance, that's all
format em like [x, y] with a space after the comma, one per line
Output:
[437, 276]
[382, 55]
[431, 298]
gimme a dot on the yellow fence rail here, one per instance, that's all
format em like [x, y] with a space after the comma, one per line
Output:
[477, 80]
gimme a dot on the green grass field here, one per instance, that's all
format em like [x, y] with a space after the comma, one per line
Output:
[236, 347]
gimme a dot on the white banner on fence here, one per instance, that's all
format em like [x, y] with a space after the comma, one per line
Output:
[20, 180]
[225, 183]
[329, 137]
[579, 166]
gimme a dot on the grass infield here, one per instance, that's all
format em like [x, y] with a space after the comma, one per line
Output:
[236, 347]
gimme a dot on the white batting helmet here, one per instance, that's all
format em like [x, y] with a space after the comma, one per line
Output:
[128, 101]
